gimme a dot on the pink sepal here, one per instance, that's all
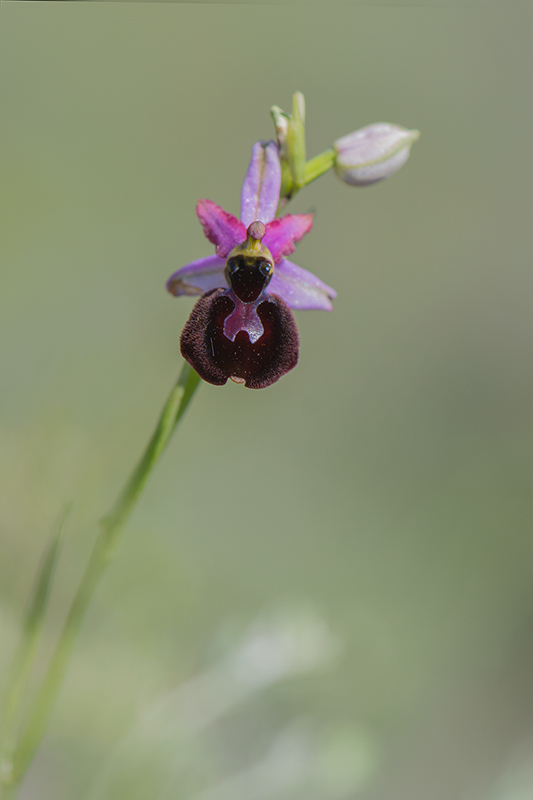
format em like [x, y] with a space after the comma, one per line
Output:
[282, 233]
[221, 228]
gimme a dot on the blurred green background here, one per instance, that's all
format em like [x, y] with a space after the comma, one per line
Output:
[326, 591]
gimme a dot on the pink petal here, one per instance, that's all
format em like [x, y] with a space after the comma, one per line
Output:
[260, 190]
[222, 229]
[300, 288]
[198, 277]
[282, 233]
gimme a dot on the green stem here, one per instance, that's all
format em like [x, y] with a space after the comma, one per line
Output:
[103, 552]
[318, 165]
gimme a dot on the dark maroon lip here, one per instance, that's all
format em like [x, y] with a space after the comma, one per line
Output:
[255, 360]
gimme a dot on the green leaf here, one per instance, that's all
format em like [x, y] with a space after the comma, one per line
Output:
[25, 653]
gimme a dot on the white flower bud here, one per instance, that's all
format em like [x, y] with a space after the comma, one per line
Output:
[372, 153]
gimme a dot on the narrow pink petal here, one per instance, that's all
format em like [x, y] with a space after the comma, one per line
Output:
[198, 277]
[222, 229]
[300, 288]
[282, 233]
[260, 190]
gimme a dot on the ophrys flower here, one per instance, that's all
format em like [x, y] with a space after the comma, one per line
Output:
[238, 329]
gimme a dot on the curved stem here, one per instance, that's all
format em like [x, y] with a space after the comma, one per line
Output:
[102, 553]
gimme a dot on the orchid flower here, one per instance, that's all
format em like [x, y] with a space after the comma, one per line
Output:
[238, 329]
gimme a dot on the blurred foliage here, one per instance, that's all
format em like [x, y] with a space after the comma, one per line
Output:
[386, 481]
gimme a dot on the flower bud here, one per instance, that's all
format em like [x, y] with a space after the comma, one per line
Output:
[372, 153]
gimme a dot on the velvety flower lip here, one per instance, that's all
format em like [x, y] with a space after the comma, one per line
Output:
[257, 360]
[260, 195]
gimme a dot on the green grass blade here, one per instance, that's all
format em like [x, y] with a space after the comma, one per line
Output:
[25, 653]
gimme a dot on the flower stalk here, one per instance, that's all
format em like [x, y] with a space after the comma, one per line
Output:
[15, 760]
[319, 165]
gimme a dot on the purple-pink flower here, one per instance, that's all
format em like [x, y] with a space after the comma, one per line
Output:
[237, 329]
